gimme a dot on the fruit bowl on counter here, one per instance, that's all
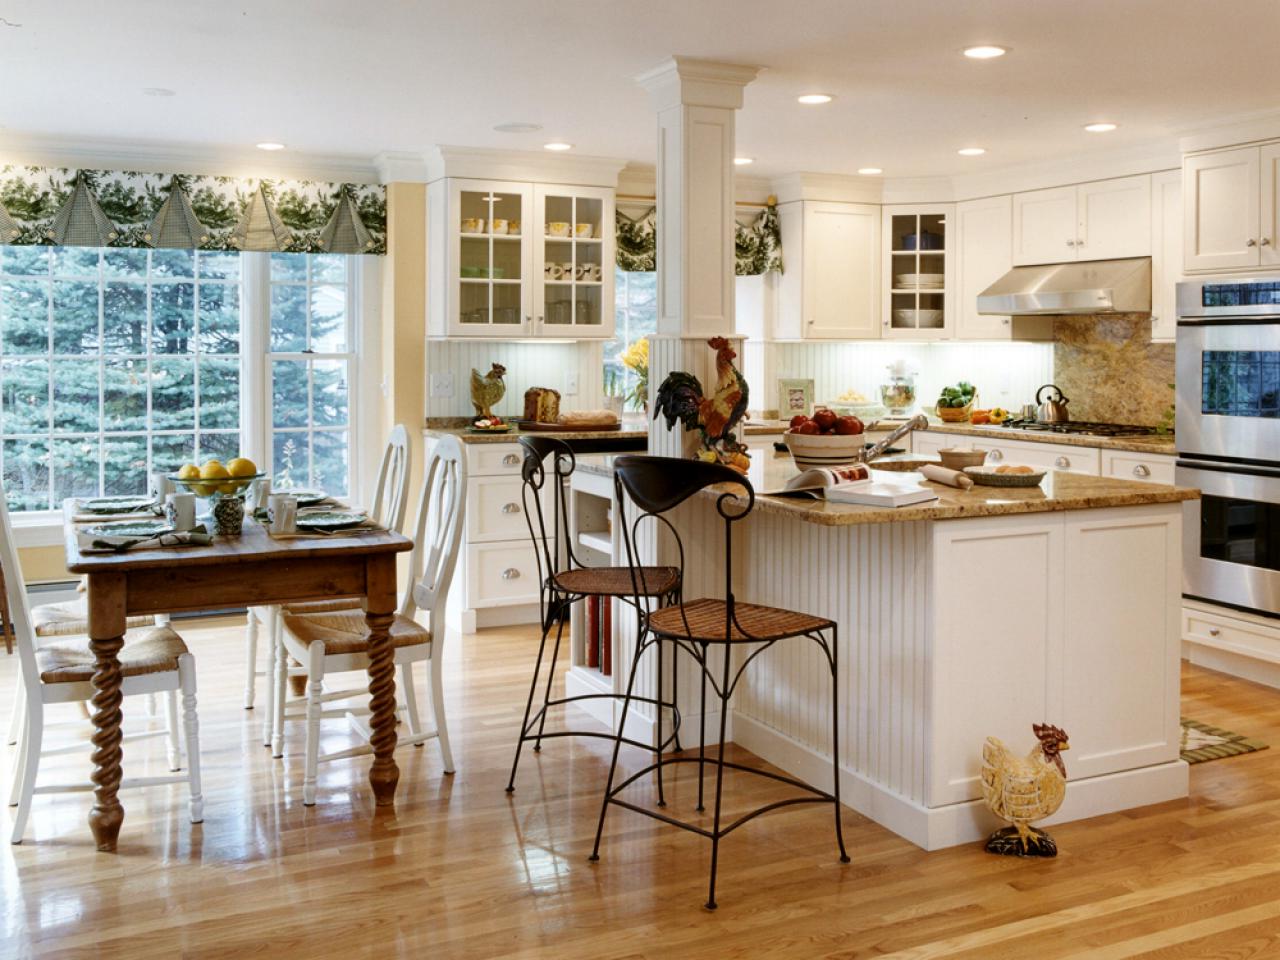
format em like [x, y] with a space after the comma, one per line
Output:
[826, 439]
[213, 480]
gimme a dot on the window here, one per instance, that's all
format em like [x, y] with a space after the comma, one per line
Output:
[115, 362]
[635, 316]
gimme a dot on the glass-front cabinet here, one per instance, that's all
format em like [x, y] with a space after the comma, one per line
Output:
[521, 260]
[918, 271]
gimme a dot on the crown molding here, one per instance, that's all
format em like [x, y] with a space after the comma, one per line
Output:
[1231, 131]
[690, 81]
[154, 157]
[1145, 158]
[832, 187]
[487, 163]
[401, 167]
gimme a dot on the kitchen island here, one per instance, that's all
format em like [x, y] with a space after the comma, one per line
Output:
[975, 615]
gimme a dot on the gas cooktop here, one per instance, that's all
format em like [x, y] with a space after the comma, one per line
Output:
[1087, 428]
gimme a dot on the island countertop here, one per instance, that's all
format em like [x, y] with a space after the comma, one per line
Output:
[1057, 491]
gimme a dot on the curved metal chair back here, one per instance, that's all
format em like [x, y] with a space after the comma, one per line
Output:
[553, 546]
[391, 489]
[436, 541]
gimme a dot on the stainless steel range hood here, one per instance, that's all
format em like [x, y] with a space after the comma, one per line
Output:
[1098, 286]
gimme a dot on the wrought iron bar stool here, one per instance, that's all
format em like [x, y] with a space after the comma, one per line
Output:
[657, 485]
[563, 580]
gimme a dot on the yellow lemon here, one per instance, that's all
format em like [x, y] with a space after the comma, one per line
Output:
[227, 487]
[242, 467]
[188, 471]
[213, 470]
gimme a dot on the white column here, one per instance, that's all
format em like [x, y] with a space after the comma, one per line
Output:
[696, 101]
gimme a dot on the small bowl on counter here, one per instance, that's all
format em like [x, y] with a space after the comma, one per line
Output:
[956, 458]
[825, 449]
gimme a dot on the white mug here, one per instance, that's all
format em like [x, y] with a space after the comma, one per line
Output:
[161, 486]
[260, 493]
[595, 271]
[180, 511]
[282, 511]
[584, 230]
[554, 271]
[582, 272]
[568, 269]
[498, 227]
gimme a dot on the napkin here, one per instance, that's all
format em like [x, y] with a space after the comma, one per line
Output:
[89, 543]
[951, 478]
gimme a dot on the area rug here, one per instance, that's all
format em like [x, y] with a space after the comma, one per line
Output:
[1201, 742]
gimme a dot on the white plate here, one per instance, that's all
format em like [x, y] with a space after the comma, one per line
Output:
[331, 519]
[129, 529]
[306, 497]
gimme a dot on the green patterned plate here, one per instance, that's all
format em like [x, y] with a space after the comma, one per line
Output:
[305, 497]
[108, 505]
[331, 520]
[130, 529]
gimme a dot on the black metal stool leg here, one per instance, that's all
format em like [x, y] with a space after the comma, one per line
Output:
[715, 829]
[528, 707]
[561, 609]
[702, 727]
[835, 739]
[662, 800]
[617, 744]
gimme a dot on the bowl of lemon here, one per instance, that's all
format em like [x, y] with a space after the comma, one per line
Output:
[224, 486]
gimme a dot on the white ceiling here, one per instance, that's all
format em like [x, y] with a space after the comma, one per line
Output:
[334, 77]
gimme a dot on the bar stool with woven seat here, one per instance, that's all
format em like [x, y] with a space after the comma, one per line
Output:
[657, 485]
[563, 580]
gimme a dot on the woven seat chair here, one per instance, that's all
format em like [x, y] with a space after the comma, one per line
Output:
[563, 581]
[736, 631]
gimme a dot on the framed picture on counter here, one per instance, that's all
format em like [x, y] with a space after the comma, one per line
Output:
[794, 396]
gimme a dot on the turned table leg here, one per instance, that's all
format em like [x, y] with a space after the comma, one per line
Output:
[106, 638]
[380, 580]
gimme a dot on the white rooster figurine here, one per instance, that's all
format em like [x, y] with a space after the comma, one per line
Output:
[1023, 790]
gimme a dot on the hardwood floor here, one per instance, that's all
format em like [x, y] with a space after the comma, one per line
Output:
[460, 869]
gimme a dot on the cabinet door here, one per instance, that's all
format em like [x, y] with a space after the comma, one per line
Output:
[841, 271]
[1044, 226]
[1220, 210]
[1166, 252]
[488, 263]
[984, 253]
[573, 262]
[1114, 218]
[1268, 241]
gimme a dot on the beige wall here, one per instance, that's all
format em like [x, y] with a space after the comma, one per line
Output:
[43, 563]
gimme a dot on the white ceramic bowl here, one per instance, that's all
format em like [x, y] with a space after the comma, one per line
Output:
[824, 450]
[919, 319]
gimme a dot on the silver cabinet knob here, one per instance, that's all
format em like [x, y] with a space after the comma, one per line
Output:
[1214, 631]
[511, 460]
[1006, 321]
[1071, 243]
[1265, 242]
[511, 508]
[995, 455]
[1142, 470]
[511, 573]
[1251, 242]
[1062, 462]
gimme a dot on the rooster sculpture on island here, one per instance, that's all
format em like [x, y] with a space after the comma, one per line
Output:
[1023, 790]
[715, 417]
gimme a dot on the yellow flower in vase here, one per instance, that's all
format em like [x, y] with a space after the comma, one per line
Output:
[636, 359]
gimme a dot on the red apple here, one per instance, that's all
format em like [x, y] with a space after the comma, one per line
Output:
[798, 419]
[808, 428]
[824, 418]
[849, 426]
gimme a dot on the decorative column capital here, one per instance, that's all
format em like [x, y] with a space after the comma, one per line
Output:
[690, 81]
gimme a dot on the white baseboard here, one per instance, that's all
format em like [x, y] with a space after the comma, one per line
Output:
[470, 620]
[934, 828]
[1232, 664]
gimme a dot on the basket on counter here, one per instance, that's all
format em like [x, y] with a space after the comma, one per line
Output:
[956, 414]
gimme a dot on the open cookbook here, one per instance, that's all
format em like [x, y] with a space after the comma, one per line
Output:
[853, 484]
[815, 481]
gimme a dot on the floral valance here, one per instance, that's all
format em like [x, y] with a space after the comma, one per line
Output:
[124, 208]
[757, 246]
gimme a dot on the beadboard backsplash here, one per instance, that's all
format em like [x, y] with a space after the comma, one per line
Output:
[528, 365]
[1006, 374]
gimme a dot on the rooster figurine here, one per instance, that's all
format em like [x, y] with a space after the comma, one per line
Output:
[714, 417]
[1025, 789]
[487, 391]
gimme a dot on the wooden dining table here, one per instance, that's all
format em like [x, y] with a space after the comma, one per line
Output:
[253, 569]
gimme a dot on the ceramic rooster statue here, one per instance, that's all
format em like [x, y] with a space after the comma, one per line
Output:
[715, 417]
[1023, 790]
[487, 391]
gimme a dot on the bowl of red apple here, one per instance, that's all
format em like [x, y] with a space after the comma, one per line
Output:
[825, 439]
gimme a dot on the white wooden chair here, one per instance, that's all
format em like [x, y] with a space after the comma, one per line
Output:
[389, 501]
[336, 641]
[153, 660]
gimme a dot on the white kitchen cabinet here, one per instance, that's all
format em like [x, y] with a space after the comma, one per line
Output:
[1063, 457]
[510, 259]
[1222, 209]
[1101, 220]
[1269, 194]
[983, 254]
[1131, 465]
[1166, 253]
[918, 274]
[835, 294]
[1231, 641]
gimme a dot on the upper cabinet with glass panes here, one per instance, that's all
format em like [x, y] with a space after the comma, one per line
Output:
[918, 271]
[513, 259]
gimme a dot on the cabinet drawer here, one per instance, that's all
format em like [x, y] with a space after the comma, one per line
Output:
[1246, 638]
[495, 509]
[494, 459]
[501, 573]
[1136, 466]
[1050, 456]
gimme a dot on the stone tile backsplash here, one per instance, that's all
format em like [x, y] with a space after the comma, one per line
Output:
[1110, 369]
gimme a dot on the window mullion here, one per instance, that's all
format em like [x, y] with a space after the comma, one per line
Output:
[255, 337]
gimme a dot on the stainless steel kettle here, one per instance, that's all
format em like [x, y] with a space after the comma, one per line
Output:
[1053, 410]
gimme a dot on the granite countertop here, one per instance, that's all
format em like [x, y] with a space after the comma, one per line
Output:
[1058, 491]
[628, 432]
[1163, 445]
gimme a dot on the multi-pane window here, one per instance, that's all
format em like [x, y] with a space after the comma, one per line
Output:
[311, 363]
[635, 316]
[114, 362]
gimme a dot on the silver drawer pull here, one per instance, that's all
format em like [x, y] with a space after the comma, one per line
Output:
[511, 460]
[1214, 631]
[1142, 470]
[1062, 462]
[511, 508]
[995, 455]
[511, 573]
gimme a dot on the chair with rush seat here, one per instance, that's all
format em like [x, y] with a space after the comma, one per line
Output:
[563, 581]
[740, 631]
[60, 671]
[331, 641]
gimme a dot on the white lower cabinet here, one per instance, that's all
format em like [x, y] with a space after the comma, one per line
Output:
[501, 574]
[1148, 467]
[1063, 457]
[1232, 641]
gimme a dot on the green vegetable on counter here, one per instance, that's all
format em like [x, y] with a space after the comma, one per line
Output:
[961, 395]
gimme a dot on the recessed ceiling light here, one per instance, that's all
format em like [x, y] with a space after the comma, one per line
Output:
[269, 145]
[557, 145]
[518, 127]
[971, 151]
[814, 98]
[157, 91]
[869, 171]
[742, 161]
[985, 51]
[1100, 127]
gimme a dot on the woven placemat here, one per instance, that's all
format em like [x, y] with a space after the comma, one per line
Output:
[1201, 742]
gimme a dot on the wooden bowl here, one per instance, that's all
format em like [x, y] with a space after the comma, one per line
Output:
[955, 414]
[954, 459]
